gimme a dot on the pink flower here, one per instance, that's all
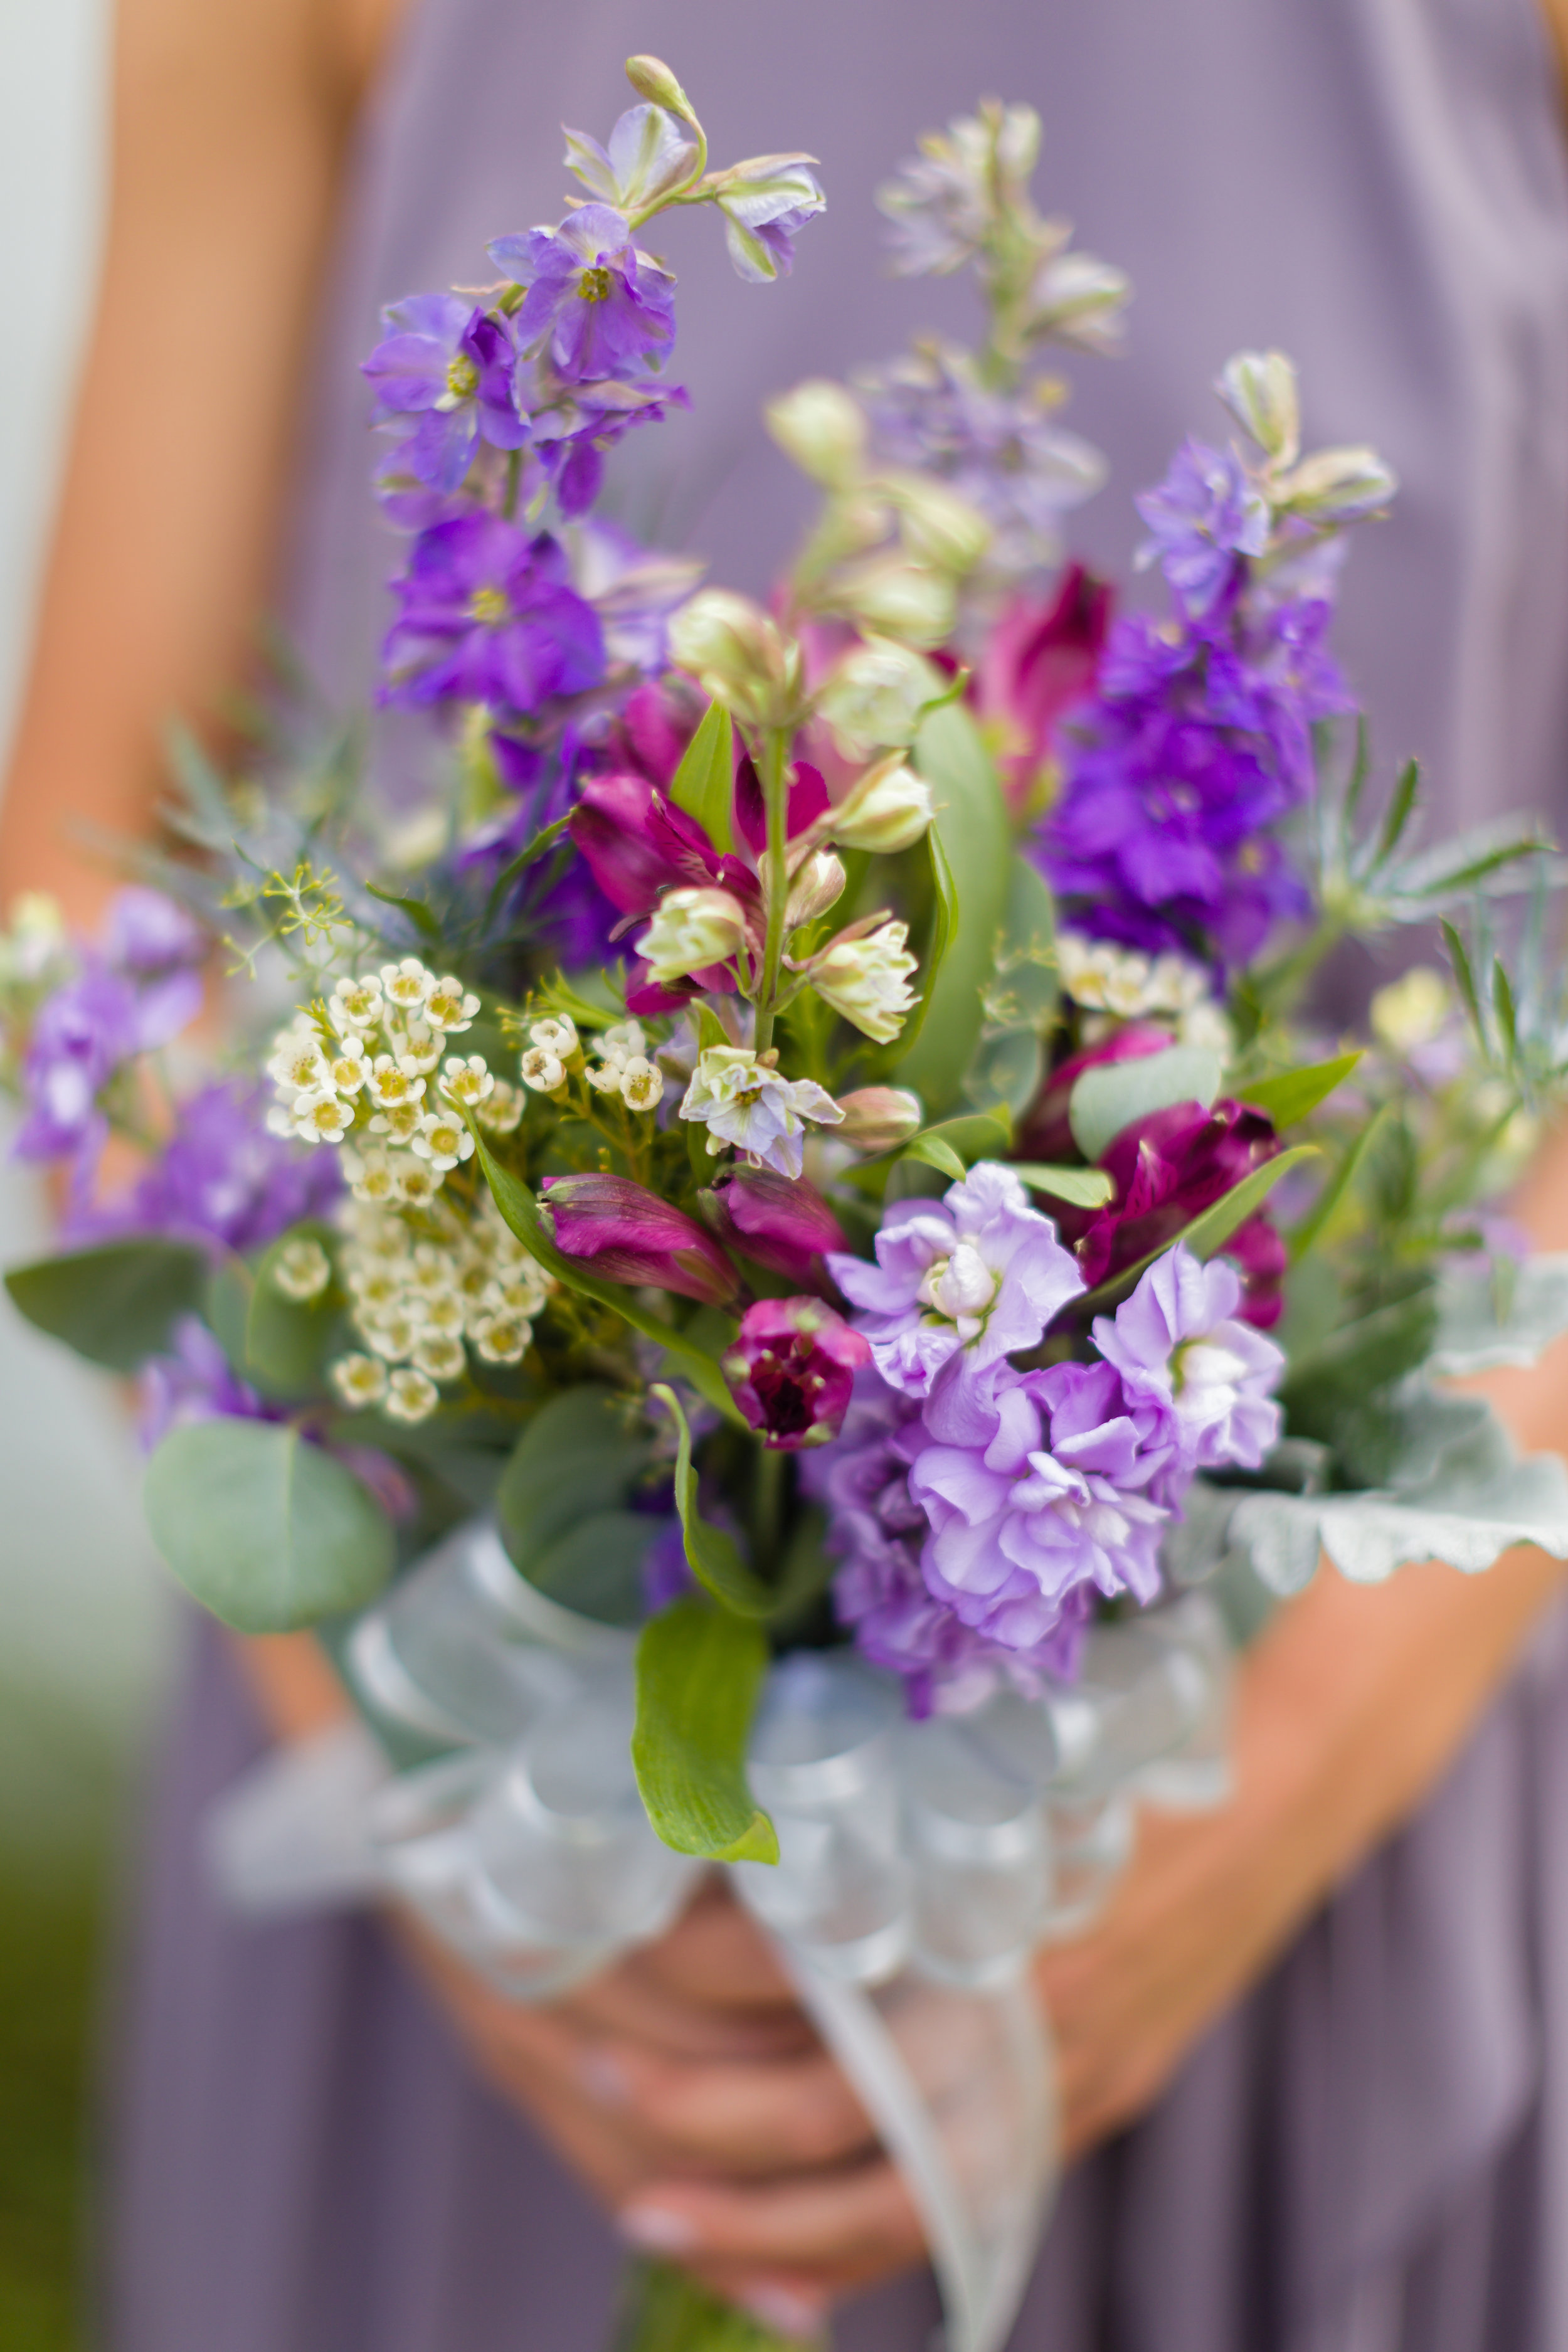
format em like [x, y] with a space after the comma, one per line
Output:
[792, 1370]
[781, 1223]
[1039, 661]
[624, 1232]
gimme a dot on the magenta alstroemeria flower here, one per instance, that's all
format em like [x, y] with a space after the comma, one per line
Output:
[807, 799]
[1167, 1168]
[637, 844]
[1044, 1133]
[603, 308]
[624, 1232]
[792, 1371]
[781, 1222]
[1038, 661]
[490, 615]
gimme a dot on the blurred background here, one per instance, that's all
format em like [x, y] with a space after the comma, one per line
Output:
[83, 1622]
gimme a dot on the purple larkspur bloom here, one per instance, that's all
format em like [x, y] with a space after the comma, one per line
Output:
[222, 1178]
[600, 307]
[490, 615]
[622, 1232]
[878, 1530]
[83, 1033]
[979, 1274]
[1183, 1356]
[452, 369]
[792, 1371]
[1038, 1490]
[194, 1382]
[763, 216]
[1205, 513]
[581, 421]
[148, 935]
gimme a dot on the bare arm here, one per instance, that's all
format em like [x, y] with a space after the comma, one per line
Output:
[230, 124]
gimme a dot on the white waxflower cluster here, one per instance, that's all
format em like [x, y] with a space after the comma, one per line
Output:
[626, 1068]
[375, 1079]
[1102, 978]
[421, 1302]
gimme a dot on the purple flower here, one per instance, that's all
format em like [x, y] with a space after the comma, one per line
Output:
[147, 935]
[600, 307]
[194, 1382]
[622, 1232]
[1205, 513]
[764, 216]
[453, 368]
[489, 615]
[780, 1222]
[1207, 1378]
[582, 421]
[223, 1178]
[637, 844]
[1041, 1493]
[792, 1371]
[978, 1274]
[83, 1033]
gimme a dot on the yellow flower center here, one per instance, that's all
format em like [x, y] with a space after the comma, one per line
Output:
[462, 377]
[488, 606]
[593, 285]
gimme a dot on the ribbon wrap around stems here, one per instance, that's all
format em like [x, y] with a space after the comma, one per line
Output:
[920, 1865]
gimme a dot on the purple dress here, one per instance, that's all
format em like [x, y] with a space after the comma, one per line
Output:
[1370, 2154]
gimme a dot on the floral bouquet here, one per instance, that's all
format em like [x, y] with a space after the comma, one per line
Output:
[802, 1265]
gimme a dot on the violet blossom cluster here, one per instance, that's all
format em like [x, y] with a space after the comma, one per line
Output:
[1197, 743]
[978, 1509]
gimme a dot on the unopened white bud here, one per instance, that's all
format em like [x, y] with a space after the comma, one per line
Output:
[738, 655]
[818, 886]
[901, 599]
[879, 1119]
[690, 930]
[1259, 390]
[301, 1270]
[866, 980]
[823, 429]
[1336, 486]
[651, 79]
[873, 698]
[889, 809]
[937, 525]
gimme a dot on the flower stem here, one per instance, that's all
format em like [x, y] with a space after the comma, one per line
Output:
[775, 800]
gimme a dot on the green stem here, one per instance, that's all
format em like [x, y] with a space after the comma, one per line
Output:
[775, 799]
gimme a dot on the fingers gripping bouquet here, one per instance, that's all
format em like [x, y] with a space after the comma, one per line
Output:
[810, 1130]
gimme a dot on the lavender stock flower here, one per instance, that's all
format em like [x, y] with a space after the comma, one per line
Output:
[1206, 1378]
[600, 306]
[489, 615]
[452, 368]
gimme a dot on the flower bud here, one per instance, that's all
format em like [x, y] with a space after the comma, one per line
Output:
[889, 809]
[1411, 1011]
[1259, 390]
[873, 699]
[899, 598]
[792, 1371]
[651, 79]
[1336, 486]
[624, 1232]
[937, 525]
[781, 1222]
[879, 1119]
[866, 980]
[691, 931]
[822, 428]
[818, 886]
[738, 655]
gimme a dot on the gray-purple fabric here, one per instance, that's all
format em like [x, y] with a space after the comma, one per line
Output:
[1371, 2153]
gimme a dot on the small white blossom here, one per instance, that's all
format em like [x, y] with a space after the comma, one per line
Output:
[442, 1355]
[443, 1139]
[449, 1006]
[418, 1181]
[350, 1067]
[866, 981]
[360, 1381]
[411, 1395]
[297, 1059]
[748, 1103]
[501, 1339]
[407, 984]
[541, 1070]
[393, 1081]
[604, 1077]
[623, 1041]
[445, 1314]
[642, 1087]
[395, 1335]
[355, 1004]
[418, 1045]
[525, 1294]
[888, 808]
[558, 1036]
[1410, 1011]
[323, 1117]
[279, 1120]
[302, 1269]
[1103, 978]
[376, 1291]
[369, 1174]
[501, 1109]
[467, 1082]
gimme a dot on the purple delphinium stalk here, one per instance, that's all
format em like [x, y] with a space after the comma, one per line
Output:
[490, 615]
[599, 306]
[978, 1274]
[147, 935]
[449, 370]
[1207, 1378]
[792, 1371]
[222, 1178]
[1205, 512]
[83, 1033]
[194, 1382]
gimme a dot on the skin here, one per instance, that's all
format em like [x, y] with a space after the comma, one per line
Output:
[684, 2085]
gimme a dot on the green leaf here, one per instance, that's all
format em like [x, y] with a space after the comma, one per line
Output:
[666, 2311]
[712, 1555]
[529, 855]
[1112, 1094]
[1086, 1188]
[704, 783]
[422, 917]
[265, 1530]
[955, 1145]
[288, 1340]
[944, 921]
[521, 1212]
[1399, 812]
[1459, 957]
[1337, 1187]
[936, 1153]
[114, 1304]
[1207, 1235]
[699, 1674]
[1294, 1093]
[1503, 1005]
[970, 858]
[560, 1503]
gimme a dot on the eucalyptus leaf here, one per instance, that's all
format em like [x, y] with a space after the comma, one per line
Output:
[115, 1305]
[698, 1676]
[288, 1340]
[711, 1553]
[973, 839]
[265, 1529]
[1111, 1094]
[936, 1153]
[704, 783]
[576, 1463]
